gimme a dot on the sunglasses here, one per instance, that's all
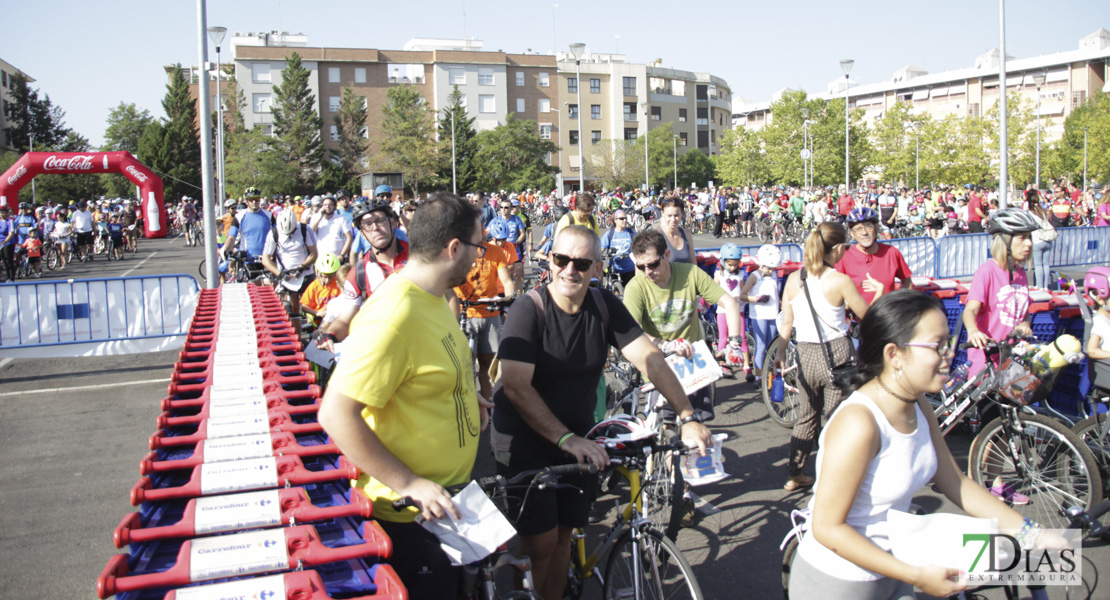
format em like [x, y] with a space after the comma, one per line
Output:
[580, 264]
[651, 265]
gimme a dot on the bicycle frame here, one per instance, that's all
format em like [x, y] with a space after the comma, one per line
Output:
[629, 517]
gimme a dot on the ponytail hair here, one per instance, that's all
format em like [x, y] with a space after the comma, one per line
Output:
[820, 242]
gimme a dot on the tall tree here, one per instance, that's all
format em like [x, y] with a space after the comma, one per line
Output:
[126, 124]
[252, 161]
[463, 135]
[405, 138]
[350, 124]
[33, 118]
[514, 157]
[893, 144]
[615, 164]
[697, 168]
[741, 160]
[1021, 140]
[661, 157]
[1066, 161]
[297, 124]
[171, 147]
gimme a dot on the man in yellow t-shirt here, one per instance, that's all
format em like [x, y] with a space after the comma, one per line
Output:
[401, 404]
[582, 214]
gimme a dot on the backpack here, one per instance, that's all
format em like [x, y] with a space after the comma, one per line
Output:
[273, 232]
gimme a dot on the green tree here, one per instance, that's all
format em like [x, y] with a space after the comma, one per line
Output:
[465, 147]
[405, 138]
[741, 160]
[695, 167]
[1067, 156]
[349, 159]
[126, 124]
[1021, 140]
[892, 144]
[615, 164]
[171, 147]
[513, 157]
[252, 160]
[297, 125]
[661, 161]
[32, 118]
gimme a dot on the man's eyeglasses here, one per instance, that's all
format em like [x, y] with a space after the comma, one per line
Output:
[580, 264]
[942, 348]
[481, 248]
[368, 223]
[651, 265]
[620, 218]
[506, 207]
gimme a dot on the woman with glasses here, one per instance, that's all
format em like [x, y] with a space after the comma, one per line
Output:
[830, 293]
[879, 449]
[679, 241]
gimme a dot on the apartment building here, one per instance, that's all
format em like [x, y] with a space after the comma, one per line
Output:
[6, 72]
[1069, 79]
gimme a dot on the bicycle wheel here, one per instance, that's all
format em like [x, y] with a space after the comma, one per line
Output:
[111, 248]
[645, 565]
[53, 257]
[788, 564]
[1093, 431]
[784, 410]
[663, 488]
[1057, 470]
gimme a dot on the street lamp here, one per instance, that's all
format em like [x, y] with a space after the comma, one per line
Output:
[1038, 79]
[647, 123]
[1085, 180]
[674, 151]
[805, 147]
[577, 49]
[712, 89]
[1003, 129]
[846, 65]
[216, 34]
[560, 138]
[916, 155]
[454, 168]
[554, 40]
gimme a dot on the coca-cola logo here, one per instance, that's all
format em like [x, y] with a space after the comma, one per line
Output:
[137, 173]
[19, 173]
[75, 163]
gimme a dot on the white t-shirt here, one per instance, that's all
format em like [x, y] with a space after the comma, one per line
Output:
[768, 286]
[330, 233]
[1101, 328]
[82, 221]
[292, 250]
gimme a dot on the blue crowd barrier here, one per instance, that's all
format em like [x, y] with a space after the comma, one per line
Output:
[961, 255]
[789, 251]
[920, 254]
[1080, 246]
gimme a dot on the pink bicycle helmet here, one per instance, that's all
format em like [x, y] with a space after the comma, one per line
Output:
[619, 431]
[1096, 283]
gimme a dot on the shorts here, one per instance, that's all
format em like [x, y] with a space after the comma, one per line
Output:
[423, 567]
[487, 332]
[746, 216]
[84, 238]
[547, 508]
[806, 581]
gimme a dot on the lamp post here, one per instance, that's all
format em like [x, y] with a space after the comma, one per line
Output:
[1003, 142]
[805, 146]
[205, 118]
[454, 169]
[577, 49]
[560, 138]
[216, 34]
[1085, 183]
[34, 199]
[554, 40]
[674, 157]
[647, 123]
[1038, 79]
[916, 155]
[846, 65]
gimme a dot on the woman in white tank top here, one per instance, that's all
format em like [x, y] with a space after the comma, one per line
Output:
[879, 449]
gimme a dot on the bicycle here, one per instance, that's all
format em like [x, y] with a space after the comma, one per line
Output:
[781, 400]
[241, 268]
[191, 233]
[610, 279]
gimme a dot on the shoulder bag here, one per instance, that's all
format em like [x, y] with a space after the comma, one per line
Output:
[841, 375]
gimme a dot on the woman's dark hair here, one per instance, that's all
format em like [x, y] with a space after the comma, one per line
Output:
[678, 203]
[649, 239]
[892, 319]
[438, 220]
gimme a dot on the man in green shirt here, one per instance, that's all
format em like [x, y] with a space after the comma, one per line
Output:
[663, 298]
[797, 204]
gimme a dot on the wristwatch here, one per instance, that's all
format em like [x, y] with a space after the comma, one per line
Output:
[693, 418]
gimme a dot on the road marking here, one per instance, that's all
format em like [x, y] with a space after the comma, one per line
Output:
[5, 362]
[82, 387]
[128, 272]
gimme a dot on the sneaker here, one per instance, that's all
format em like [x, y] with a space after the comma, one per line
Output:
[1007, 493]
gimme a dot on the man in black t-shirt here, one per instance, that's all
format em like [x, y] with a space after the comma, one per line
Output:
[551, 360]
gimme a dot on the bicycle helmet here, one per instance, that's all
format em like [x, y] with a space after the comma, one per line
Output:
[557, 213]
[1010, 221]
[731, 252]
[327, 264]
[768, 256]
[862, 214]
[619, 431]
[342, 194]
[498, 230]
[286, 223]
[24, 205]
[230, 202]
[383, 189]
[1096, 283]
[317, 201]
[252, 192]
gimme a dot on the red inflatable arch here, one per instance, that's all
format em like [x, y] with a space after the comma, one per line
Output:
[32, 164]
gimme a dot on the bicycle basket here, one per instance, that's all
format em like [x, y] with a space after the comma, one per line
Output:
[1017, 383]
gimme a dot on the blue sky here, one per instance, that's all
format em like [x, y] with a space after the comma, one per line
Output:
[89, 56]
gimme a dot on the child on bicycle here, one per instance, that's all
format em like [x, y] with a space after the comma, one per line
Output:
[762, 291]
[730, 277]
[33, 246]
[314, 301]
[1096, 284]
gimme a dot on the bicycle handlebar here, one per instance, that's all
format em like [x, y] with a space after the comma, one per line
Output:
[540, 477]
[1089, 519]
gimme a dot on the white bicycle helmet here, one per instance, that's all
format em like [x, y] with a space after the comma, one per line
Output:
[1012, 221]
[619, 430]
[768, 256]
[286, 223]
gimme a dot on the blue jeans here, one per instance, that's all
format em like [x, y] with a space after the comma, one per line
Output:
[764, 331]
[1041, 253]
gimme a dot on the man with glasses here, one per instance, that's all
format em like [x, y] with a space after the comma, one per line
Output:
[869, 261]
[250, 228]
[552, 356]
[663, 298]
[515, 229]
[619, 241]
[333, 235]
[402, 406]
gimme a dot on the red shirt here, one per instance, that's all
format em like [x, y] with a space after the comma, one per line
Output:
[375, 273]
[975, 202]
[845, 205]
[885, 265]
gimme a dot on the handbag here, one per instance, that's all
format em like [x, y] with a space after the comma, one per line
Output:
[841, 375]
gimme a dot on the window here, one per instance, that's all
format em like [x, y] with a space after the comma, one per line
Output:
[545, 105]
[572, 85]
[629, 86]
[333, 74]
[261, 102]
[544, 80]
[334, 132]
[485, 76]
[630, 134]
[545, 131]
[572, 111]
[268, 130]
[683, 139]
[260, 72]
[1078, 99]
[573, 137]
[973, 109]
[487, 104]
[360, 75]
[595, 85]
[682, 115]
[656, 113]
[703, 139]
[629, 111]
[520, 78]
[595, 136]
[701, 92]
[703, 116]
[4, 82]
[595, 111]
[458, 76]
[520, 105]
[333, 103]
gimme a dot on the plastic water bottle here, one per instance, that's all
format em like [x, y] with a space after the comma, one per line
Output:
[956, 378]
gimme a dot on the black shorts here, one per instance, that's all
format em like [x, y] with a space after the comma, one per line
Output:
[423, 567]
[547, 508]
[975, 226]
[747, 216]
[84, 238]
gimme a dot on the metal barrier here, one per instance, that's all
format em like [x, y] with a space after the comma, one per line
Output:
[960, 255]
[80, 317]
[789, 251]
[1080, 246]
[920, 254]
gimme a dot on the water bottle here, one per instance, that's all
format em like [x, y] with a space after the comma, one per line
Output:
[778, 389]
[956, 378]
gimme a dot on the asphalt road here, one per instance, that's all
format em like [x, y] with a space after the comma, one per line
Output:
[72, 432]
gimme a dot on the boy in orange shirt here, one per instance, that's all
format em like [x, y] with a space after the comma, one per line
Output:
[314, 301]
[33, 245]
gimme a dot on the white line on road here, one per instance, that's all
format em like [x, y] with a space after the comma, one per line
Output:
[82, 387]
[128, 272]
[5, 362]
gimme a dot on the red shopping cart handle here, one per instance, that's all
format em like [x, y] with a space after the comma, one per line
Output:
[275, 444]
[238, 556]
[215, 328]
[268, 371]
[243, 475]
[232, 427]
[301, 585]
[293, 506]
[263, 353]
[203, 360]
[210, 346]
[279, 395]
[306, 378]
[244, 407]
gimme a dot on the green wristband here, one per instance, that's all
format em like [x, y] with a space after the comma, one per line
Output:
[564, 438]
